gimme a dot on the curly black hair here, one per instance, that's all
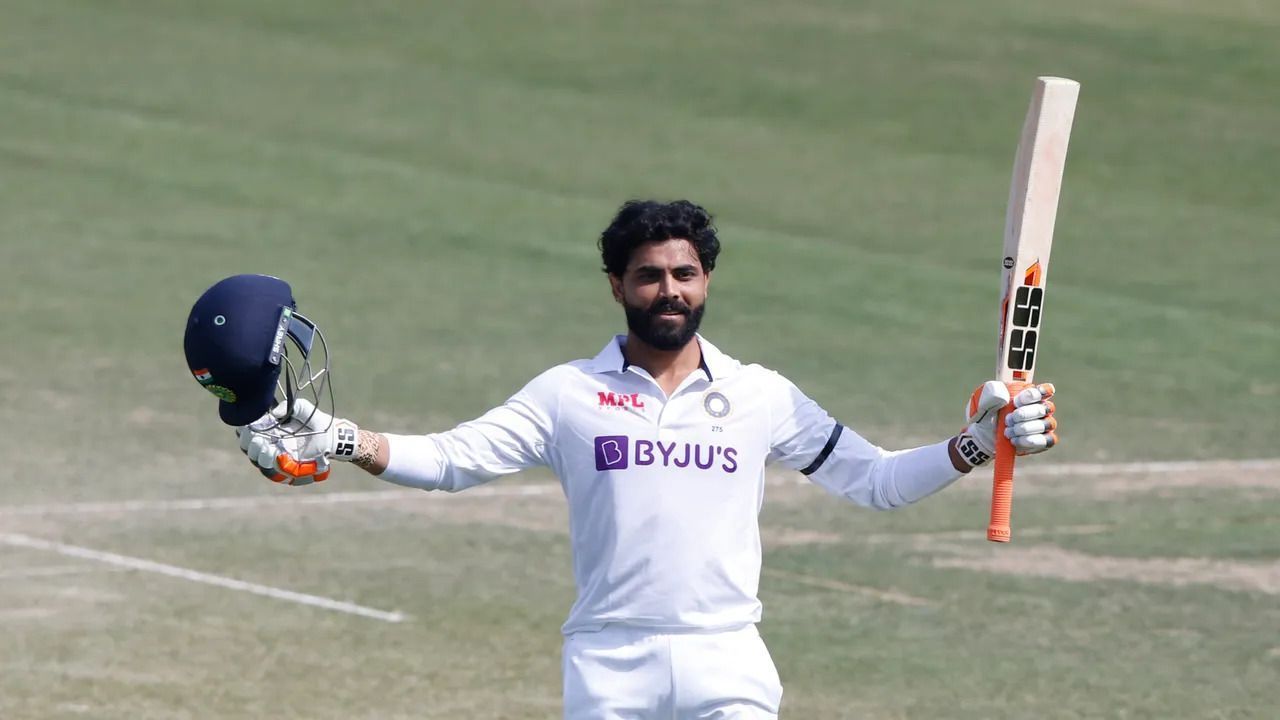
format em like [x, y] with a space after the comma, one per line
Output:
[642, 221]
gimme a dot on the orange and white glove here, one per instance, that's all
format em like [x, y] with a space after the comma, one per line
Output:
[1030, 426]
[297, 450]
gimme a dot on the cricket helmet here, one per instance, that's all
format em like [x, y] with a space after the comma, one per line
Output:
[247, 344]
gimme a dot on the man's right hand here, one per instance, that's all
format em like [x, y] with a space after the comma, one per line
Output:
[296, 450]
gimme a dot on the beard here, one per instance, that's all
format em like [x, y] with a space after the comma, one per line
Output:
[664, 332]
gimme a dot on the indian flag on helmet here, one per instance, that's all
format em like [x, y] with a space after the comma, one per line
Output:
[203, 376]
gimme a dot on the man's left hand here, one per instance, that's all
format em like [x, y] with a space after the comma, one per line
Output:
[1031, 426]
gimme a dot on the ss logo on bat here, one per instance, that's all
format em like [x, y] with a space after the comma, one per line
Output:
[1026, 322]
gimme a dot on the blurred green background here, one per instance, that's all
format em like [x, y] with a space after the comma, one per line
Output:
[431, 178]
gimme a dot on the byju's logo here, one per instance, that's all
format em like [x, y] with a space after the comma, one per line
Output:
[615, 452]
[611, 452]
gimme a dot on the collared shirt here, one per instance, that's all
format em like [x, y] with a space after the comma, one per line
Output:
[665, 491]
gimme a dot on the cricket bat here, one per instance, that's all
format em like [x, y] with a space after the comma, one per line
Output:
[1028, 238]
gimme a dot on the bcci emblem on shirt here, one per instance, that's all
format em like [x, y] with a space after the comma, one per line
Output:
[716, 404]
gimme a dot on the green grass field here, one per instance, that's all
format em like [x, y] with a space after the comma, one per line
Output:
[431, 178]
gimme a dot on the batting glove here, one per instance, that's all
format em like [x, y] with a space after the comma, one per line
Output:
[1030, 426]
[296, 450]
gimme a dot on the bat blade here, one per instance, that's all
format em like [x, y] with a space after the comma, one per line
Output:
[1028, 240]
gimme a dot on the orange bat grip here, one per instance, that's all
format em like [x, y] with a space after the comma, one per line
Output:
[1002, 485]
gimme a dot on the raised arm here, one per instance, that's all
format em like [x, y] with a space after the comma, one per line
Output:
[807, 439]
[511, 437]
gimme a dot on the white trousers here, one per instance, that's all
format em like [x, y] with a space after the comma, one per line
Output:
[625, 673]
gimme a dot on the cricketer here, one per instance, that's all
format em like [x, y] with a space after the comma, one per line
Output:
[661, 444]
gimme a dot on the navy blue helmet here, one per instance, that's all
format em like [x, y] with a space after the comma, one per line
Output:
[247, 344]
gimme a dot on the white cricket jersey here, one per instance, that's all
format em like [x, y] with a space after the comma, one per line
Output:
[665, 492]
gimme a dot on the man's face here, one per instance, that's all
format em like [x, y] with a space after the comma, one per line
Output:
[664, 293]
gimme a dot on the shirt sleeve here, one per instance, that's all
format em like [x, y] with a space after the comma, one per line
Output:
[514, 436]
[806, 438]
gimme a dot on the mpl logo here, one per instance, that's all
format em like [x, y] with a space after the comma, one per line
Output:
[618, 452]
[620, 400]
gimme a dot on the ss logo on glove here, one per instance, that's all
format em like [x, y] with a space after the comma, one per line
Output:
[346, 446]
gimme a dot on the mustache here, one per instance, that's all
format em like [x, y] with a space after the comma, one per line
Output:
[662, 306]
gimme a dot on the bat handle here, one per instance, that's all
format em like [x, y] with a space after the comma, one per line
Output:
[1002, 485]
